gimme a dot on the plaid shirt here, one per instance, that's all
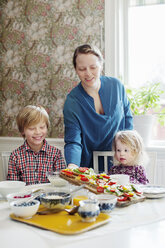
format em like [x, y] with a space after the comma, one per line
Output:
[31, 167]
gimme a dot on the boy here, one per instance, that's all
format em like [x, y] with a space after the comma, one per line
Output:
[31, 161]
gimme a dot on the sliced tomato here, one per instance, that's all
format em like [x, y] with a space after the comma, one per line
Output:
[83, 169]
[111, 183]
[68, 172]
[113, 190]
[122, 198]
[105, 176]
[85, 179]
[99, 176]
[100, 189]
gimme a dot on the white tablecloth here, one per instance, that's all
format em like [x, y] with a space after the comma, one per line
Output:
[123, 219]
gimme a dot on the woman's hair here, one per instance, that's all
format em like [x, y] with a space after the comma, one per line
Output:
[87, 49]
[31, 115]
[132, 139]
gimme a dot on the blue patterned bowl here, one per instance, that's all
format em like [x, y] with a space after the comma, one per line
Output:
[107, 202]
[55, 200]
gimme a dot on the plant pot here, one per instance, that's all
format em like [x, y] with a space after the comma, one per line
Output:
[143, 124]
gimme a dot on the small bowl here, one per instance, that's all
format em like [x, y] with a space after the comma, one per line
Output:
[55, 179]
[107, 202]
[18, 196]
[88, 210]
[55, 200]
[25, 209]
[8, 187]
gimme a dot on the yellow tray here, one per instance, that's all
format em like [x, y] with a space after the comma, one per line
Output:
[63, 223]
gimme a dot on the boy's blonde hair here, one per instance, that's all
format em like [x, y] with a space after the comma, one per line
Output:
[31, 115]
[133, 139]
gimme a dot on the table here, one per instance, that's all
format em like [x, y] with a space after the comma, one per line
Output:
[139, 225]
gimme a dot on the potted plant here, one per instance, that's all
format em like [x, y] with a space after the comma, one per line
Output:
[144, 104]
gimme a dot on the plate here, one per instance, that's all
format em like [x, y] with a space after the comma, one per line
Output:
[153, 191]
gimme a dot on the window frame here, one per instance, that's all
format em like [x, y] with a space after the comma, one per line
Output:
[116, 58]
[116, 16]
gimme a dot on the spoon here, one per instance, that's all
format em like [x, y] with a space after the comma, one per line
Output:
[52, 211]
[74, 190]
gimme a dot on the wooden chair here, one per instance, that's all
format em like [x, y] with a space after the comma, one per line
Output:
[105, 154]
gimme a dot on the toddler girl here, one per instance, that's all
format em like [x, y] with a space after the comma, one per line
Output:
[129, 156]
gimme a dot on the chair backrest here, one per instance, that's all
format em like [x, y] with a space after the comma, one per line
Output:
[151, 167]
[105, 154]
[4, 158]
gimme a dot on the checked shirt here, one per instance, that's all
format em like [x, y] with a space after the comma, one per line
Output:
[31, 167]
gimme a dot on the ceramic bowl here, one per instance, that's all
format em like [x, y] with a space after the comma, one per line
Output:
[8, 187]
[107, 202]
[55, 179]
[18, 196]
[88, 210]
[55, 200]
[25, 209]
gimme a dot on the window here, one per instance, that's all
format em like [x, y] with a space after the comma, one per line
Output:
[134, 44]
[146, 44]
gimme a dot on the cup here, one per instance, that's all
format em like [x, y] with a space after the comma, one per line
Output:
[120, 178]
[79, 196]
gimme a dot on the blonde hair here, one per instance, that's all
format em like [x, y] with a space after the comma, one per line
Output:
[133, 139]
[31, 115]
[87, 49]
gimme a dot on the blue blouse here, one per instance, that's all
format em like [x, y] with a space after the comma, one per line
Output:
[87, 131]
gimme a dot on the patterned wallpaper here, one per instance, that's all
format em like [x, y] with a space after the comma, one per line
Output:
[38, 38]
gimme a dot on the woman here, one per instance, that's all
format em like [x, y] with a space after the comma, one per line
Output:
[94, 110]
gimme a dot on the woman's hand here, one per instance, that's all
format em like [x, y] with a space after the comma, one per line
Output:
[72, 166]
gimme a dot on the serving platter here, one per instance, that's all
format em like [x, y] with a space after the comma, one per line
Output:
[153, 191]
[63, 223]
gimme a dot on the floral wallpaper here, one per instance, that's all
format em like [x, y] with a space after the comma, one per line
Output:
[38, 38]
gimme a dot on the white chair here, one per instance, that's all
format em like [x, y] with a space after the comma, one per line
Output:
[4, 158]
[151, 167]
[105, 154]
